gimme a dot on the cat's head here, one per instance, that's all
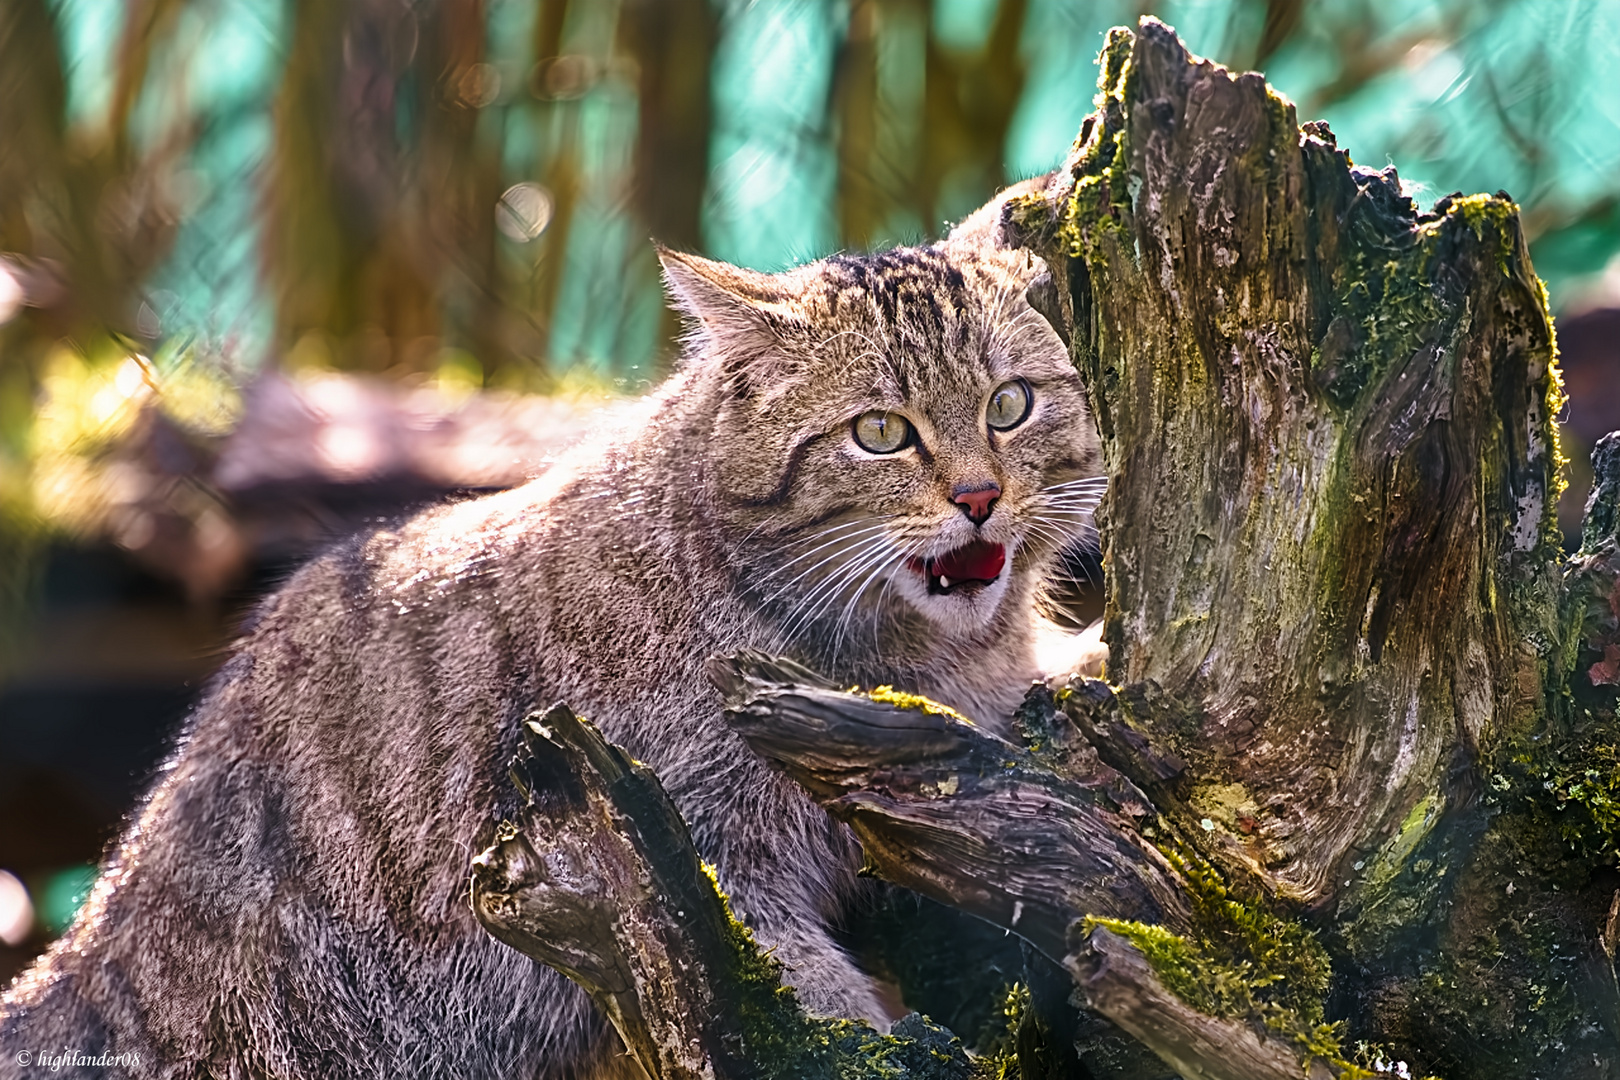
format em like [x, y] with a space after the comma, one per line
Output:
[896, 438]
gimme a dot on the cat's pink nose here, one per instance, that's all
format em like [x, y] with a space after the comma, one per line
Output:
[977, 502]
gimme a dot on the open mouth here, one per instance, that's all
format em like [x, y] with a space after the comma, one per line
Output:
[968, 568]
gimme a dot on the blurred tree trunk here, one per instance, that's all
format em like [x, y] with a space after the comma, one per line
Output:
[672, 42]
[1355, 775]
[922, 125]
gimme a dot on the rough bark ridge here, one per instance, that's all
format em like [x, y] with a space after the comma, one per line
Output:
[1327, 420]
[599, 879]
[1355, 773]
[1051, 837]
[1052, 843]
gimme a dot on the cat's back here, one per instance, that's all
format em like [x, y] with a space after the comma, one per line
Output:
[307, 844]
[381, 689]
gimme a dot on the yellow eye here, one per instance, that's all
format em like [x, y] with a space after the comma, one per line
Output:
[1009, 405]
[882, 432]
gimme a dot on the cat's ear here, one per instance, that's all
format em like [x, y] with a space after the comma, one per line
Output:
[983, 226]
[719, 296]
[744, 317]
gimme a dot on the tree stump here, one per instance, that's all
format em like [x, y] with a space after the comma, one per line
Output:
[1349, 799]
[1334, 577]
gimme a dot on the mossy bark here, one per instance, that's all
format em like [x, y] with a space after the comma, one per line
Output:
[1334, 579]
[599, 879]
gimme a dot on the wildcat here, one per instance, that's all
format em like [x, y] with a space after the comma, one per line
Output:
[866, 462]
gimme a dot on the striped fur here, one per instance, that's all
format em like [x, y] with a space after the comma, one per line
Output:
[290, 899]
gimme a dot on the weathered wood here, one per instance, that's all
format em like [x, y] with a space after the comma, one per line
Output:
[1327, 419]
[1333, 574]
[948, 809]
[1031, 841]
[600, 880]
[1117, 981]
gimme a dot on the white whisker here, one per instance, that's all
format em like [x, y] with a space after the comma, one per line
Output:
[828, 531]
[1087, 486]
[827, 591]
[849, 608]
[838, 542]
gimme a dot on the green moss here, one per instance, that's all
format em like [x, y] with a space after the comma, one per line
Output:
[1101, 204]
[1503, 987]
[1031, 219]
[1185, 969]
[1388, 307]
[1418, 823]
[1563, 774]
[1552, 406]
[781, 1041]
[1385, 297]
[1575, 789]
[1401, 885]
[1101, 201]
[1502, 992]
[1384, 290]
[999, 1060]
[1241, 962]
[1492, 213]
[1113, 64]
[1288, 964]
[1494, 219]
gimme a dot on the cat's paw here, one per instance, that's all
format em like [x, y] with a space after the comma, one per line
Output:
[849, 992]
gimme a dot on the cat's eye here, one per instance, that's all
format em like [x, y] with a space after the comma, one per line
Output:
[882, 432]
[1009, 405]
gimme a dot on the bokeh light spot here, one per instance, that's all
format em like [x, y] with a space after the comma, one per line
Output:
[523, 212]
[64, 893]
[16, 910]
[479, 85]
[11, 293]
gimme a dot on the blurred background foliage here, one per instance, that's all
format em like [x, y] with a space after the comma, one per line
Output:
[463, 190]
[227, 225]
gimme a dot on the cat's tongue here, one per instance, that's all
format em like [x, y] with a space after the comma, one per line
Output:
[978, 562]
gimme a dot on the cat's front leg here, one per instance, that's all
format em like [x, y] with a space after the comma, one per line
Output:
[822, 973]
[789, 871]
[1060, 653]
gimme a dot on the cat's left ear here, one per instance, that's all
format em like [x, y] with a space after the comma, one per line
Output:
[745, 317]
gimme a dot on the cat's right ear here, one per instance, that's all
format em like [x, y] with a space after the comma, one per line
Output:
[720, 297]
[743, 317]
